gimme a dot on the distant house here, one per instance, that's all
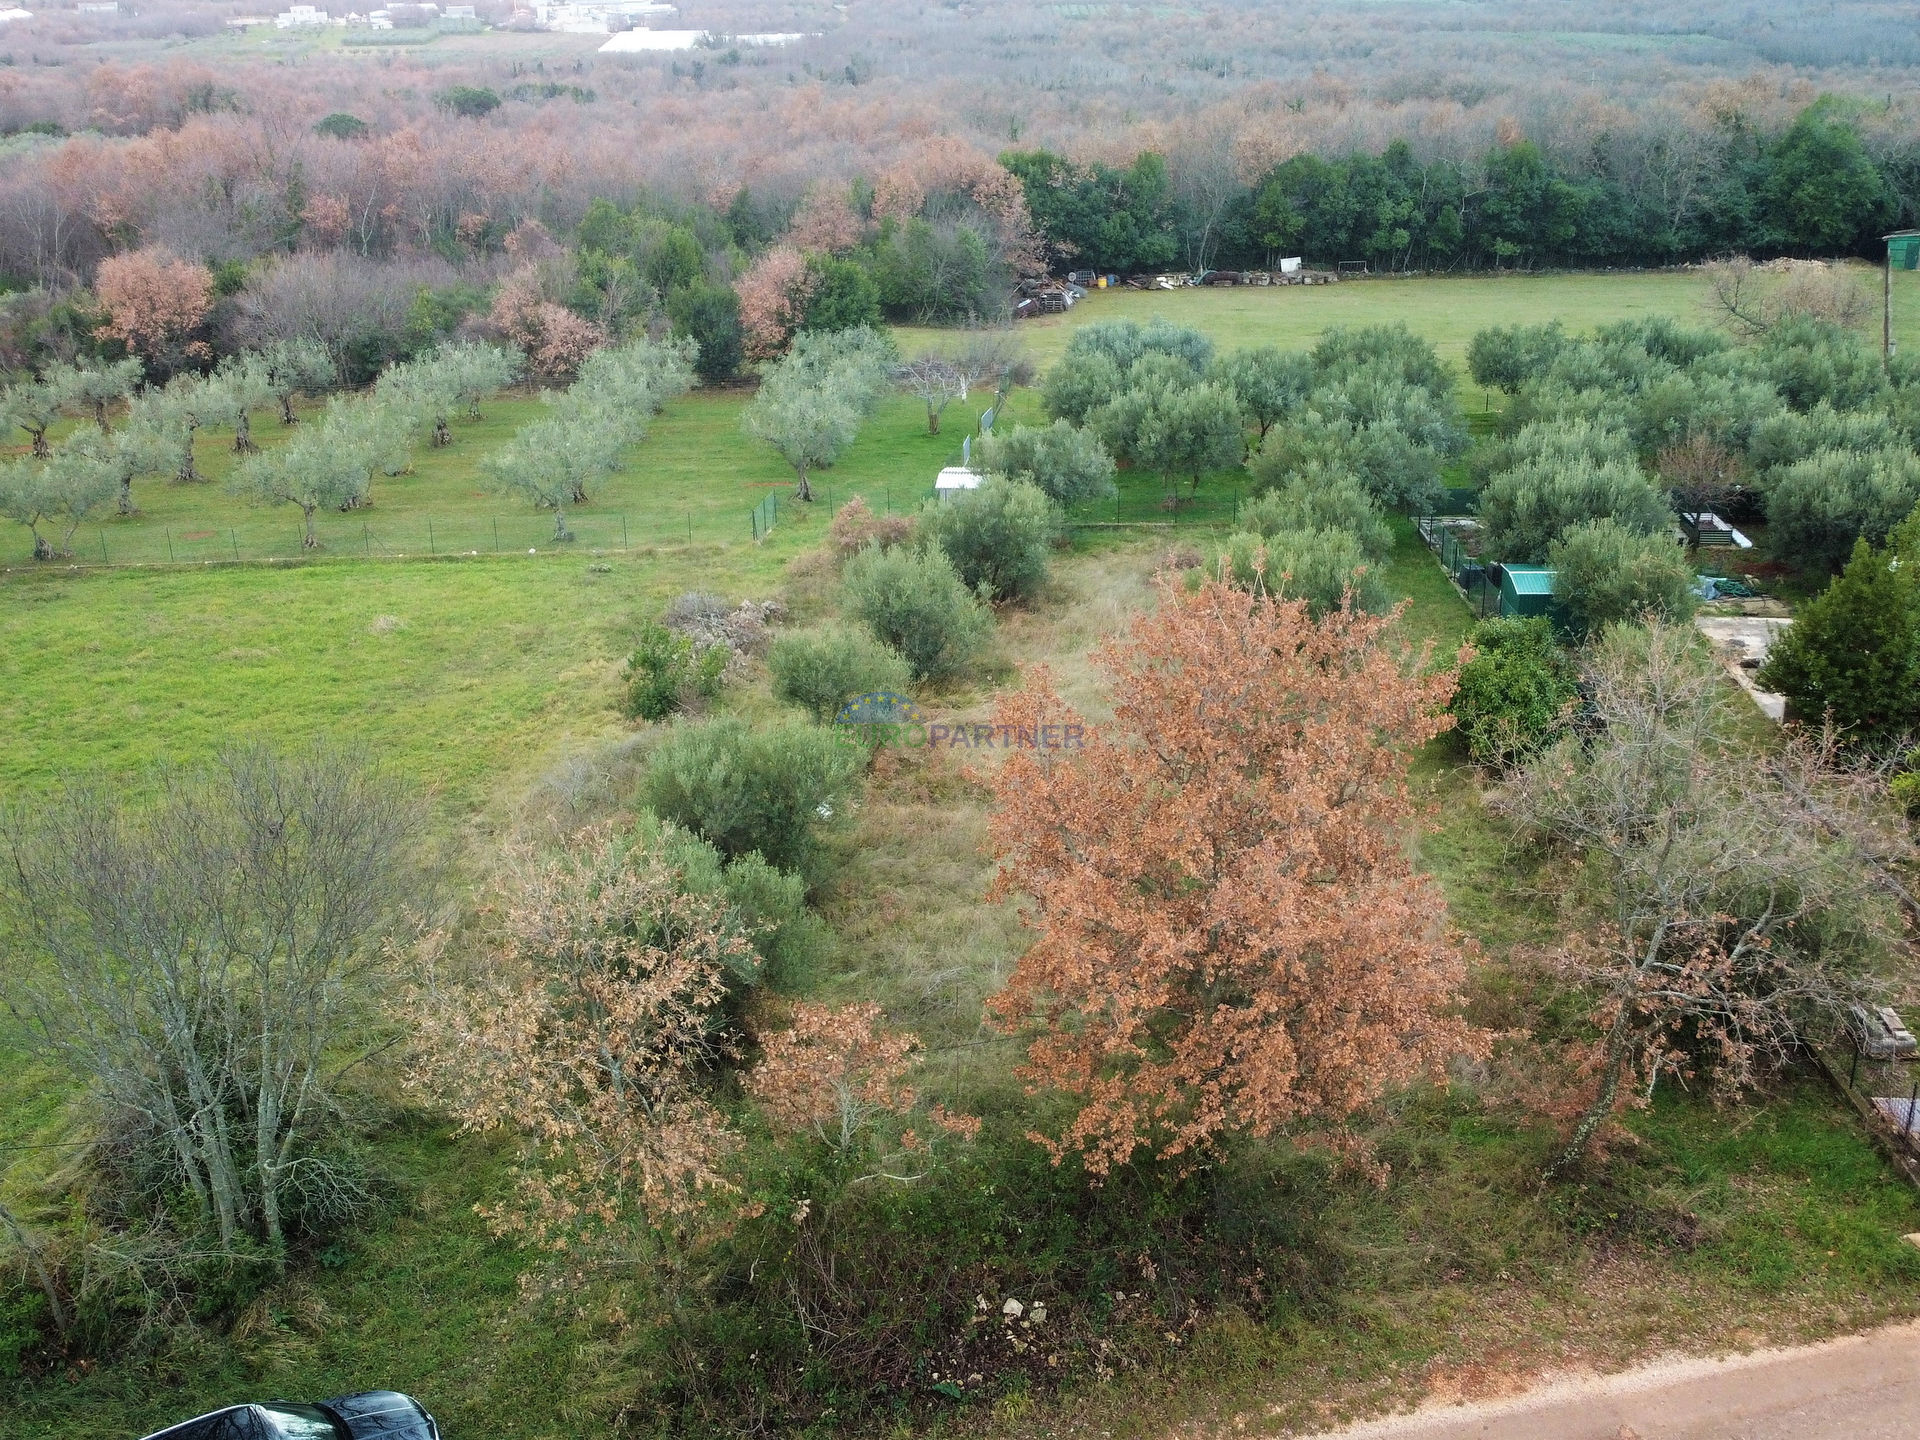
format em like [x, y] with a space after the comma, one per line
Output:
[299, 17]
[7, 16]
[98, 7]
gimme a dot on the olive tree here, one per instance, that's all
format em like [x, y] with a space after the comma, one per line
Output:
[52, 496]
[1267, 383]
[93, 386]
[326, 466]
[295, 368]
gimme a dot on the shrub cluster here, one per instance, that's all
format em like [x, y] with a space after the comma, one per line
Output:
[1514, 697]
[913, 599]
[821, 672]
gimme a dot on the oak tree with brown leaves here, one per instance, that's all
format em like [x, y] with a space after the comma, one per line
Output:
[588, 1035]
[1229, 936]
[156, 305]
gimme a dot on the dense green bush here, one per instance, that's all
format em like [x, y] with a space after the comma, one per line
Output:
[665, 668]
[1513, 697]
[1068, 463]
[1786, 437]
[913, 599]
[1322, 567]
[999, 537]
[1818, 507]
[820, 672]
[1523, 510]
[767, 905]
[745, 790]
[1320, 499]
[1126, 341]
[1604, 573]
[1080, 384]
[1811, 362]
[1399, 469]
[1854, 650]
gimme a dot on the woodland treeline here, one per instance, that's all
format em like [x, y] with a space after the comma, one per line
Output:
[940, 151]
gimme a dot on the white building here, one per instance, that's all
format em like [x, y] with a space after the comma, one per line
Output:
[98, 7]
[301, 16]
[632, 41]
[7, 17]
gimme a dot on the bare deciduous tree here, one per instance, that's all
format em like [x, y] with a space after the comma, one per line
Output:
[1734, 909]
[203, 962]
[1753, 299]
[935, 381]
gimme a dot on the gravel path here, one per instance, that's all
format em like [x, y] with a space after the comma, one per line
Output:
[1864, 1387]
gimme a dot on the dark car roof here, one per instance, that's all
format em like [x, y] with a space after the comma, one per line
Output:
[383, 1415]
[369, 1415]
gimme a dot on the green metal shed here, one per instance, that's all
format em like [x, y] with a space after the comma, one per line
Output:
[1528, 590]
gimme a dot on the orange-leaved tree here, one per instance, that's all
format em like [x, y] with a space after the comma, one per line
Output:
[1230, 937]
[836, 1074]
[156, 305]
[590, 1033]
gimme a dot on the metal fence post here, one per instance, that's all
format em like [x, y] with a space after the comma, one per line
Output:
[432, 549]
[623, 531]
[169, 547]
[103, 549]
[689, 527]
[234, 535]
[496, 534]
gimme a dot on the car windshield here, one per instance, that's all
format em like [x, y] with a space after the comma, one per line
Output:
[299, 1422]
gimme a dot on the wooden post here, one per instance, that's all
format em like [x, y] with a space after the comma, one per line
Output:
[1886, 310]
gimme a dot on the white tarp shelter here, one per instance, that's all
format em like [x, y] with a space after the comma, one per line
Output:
[955, 478]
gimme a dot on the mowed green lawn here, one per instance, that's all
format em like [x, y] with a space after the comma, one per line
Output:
[1447, 310]
[696, 478]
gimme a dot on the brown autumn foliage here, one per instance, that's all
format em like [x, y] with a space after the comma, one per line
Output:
[832, 1071]
[587, 1034]
[555, 341]
[1229, 937]
[155, 304]
[854, 527]
[773, 301]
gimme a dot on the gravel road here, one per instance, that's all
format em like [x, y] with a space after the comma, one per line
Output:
[1864, 1387]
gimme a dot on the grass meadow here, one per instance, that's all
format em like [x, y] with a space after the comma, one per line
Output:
[485, 679]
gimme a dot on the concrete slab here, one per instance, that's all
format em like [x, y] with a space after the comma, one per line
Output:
[1740, 643]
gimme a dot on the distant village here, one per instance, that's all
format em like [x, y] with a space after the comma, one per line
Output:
[623, 20]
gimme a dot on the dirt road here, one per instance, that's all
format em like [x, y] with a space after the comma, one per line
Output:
[1865, 1387]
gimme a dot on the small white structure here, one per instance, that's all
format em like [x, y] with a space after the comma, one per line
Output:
[630, 42]
[635, 41]
[98, 7]
[300, 16]
[954, 479]
[460, 12]
[8, 16]
[1288, 266]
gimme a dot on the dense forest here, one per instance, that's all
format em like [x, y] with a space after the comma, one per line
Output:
[911, 161]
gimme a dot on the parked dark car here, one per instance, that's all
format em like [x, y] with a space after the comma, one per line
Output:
[370, 1415]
